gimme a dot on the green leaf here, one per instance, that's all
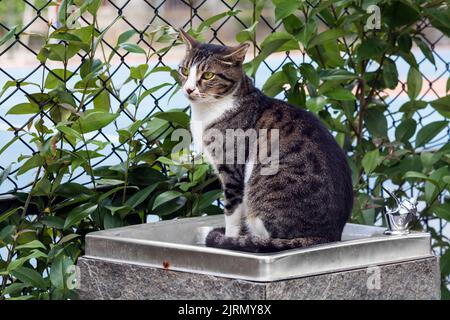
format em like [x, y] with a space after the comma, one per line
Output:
[200, 172]
[110, 221]
[5, 173]
[247, 34]
[53, 222]
[293, 25]
[57, 77]
[284, 8]
[309, 73]
[211, 20]
[330, 34]
[18, 262]
[439, 18]
[340, 94]
[316, 104]
[144, 175]
[75, 14]
[102, 101]
[59, 271]
[68, 238]
[170, 206]
[125, 36]
[428, 132]
[420, 176]
[413, 106]
[410, 59]
[208, 197]
[8, 84]
[93, 6]
[165, 197]
[152, 90]
[6, 215]
[120, 211]
[9, 143]
[110, 182]
[93, 121]
[445, 269]
[400, 13]
[58, 52]
[435, 183]
[78, 214]
[69, 131]
[132, 47]
[371, 160]
[390, 74]
[307, 32]
[140, 196]
[24, 108]
[337, 75]
[442, 105]
[429, 159]
[161, 69]
[176, 117]
[14, 288]
[138, 72]
[274, 84]
[376, 122]
[34, 244]
[15, 83]
[414, 82]
[90, 68]
[30, 277]
[275, 42]
[7, 232]
[42, 188]
[442, 211]
[33, 162]
[405, 130]
[425, 50]
[404, 42]
[372, 48]
[72, 190]
[9, 35]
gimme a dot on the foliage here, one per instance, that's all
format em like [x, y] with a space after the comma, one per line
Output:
[43, 230]
[345, 84]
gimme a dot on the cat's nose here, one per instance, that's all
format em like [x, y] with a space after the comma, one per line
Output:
[189, 90]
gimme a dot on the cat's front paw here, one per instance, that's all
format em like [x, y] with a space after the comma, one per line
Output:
[232, 231]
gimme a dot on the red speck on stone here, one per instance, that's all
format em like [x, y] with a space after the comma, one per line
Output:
[166, 264]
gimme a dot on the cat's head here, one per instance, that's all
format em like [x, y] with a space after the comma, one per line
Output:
[210, 72]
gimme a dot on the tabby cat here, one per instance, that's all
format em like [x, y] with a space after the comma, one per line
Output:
[307, 200]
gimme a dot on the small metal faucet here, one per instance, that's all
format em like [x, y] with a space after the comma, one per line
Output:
[400, 218]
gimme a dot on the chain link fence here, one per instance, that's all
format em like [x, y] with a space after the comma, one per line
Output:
[19, 65]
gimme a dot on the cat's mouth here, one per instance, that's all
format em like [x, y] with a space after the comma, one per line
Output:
[194, 97]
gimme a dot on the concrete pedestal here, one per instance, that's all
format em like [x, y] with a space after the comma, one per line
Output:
[103, 279]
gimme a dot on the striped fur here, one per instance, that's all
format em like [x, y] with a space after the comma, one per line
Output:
[309, 198]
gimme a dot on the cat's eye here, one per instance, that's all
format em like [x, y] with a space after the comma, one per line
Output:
[208, 75]
[184, 71]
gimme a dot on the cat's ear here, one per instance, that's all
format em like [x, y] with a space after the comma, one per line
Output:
[188, 39]
[237, 53]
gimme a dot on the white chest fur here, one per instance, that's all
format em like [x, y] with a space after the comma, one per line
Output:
[203, 114]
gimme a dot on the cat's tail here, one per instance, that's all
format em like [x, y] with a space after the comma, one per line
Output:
[250, 243]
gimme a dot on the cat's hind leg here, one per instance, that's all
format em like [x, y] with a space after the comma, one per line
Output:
[255, 226]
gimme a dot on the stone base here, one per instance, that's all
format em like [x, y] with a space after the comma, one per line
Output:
[418, 279]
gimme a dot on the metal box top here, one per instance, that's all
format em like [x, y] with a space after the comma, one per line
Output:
[176, 245]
